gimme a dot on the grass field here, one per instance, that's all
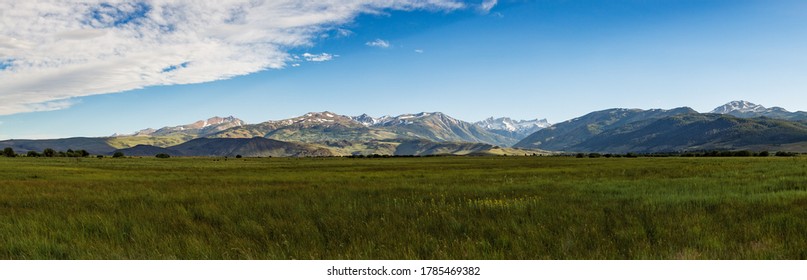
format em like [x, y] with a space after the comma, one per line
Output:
[403, 208]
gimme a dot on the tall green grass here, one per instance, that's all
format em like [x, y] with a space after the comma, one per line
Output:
[403, 208]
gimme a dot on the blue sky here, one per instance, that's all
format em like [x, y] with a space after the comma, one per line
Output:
[549, 59]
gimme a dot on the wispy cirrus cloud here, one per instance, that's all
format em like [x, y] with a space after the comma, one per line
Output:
[55, 50]
[318, 57]
[378, 43]
[342, 33]
[487, 5]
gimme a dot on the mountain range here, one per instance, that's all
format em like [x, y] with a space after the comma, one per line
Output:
[733, 126]
[319, 127]
[567, 135]
[197, 129]
[312, 134]
[745, 109]
[517, 129]
[738, 125]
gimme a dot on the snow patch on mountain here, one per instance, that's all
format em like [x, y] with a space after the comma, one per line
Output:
[740, 106]
[745, 109]
[508, 124]
[201, 127]
[368, 120]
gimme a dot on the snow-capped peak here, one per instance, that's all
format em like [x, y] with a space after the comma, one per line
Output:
[744, 109]
[738, 107]
[318, 118]
[367, 120]
[201, 127]
[508, 124]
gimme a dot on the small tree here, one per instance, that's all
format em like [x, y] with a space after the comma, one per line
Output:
[117, 155]
[48, 152]
[9, 152]
[764, 154]
[784, 154]
[237, 156]
[33, 154]
[163, 156]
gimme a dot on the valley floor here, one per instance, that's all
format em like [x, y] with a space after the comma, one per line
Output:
[403, 208]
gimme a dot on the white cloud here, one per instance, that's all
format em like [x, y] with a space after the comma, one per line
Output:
[55, 50]
[487, 5]
[318, 57]
[378, 43]
[341, 33]
[419, 51]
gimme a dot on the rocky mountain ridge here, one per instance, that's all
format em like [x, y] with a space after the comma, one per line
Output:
[735, 125]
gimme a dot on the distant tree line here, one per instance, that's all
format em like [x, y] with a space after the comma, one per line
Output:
[48, 152]
[395, 156]
[372, 156]
[690, 154]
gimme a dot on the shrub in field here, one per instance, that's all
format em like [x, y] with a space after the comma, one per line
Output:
[76, 153]
[9, 152]
[163, 156]
[48, 152]
[117, 155]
